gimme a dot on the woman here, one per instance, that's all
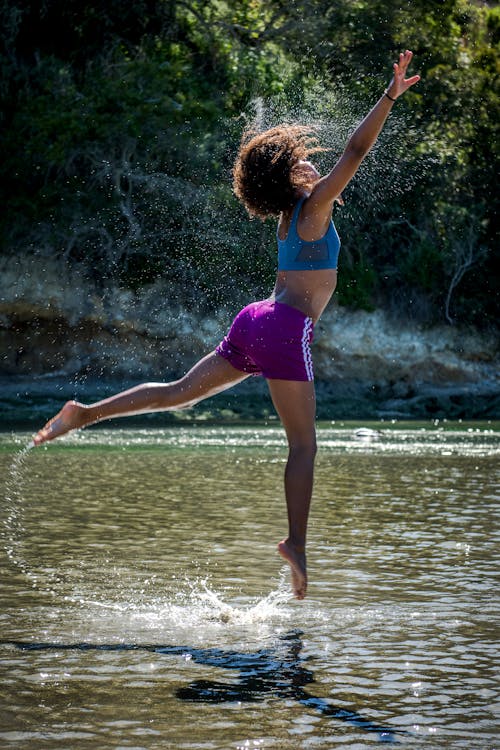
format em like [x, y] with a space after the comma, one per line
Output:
[272, 177]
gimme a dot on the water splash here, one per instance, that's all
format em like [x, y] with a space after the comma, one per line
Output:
[334, 114]
[134, 603]
[13, 516]
[14, 532]
[192, 609]
[213, 606]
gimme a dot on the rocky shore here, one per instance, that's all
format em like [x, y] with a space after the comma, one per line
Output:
[61, 338]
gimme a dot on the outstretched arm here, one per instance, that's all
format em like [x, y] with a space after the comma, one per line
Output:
[363, 138]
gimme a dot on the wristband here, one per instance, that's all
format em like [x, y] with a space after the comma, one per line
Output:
[388, 96]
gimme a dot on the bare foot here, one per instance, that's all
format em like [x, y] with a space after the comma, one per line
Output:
[297, 562]
[71, 417]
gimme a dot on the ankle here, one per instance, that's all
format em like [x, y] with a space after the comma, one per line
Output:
[86, 414]
[298, 545]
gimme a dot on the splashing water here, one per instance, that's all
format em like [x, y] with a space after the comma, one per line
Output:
[193, 610]
[335, 114]
[262, 610]
[396, 633]
[13, 523]
[131, 607]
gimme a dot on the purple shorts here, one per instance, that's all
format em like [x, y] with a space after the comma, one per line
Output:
[271, 339]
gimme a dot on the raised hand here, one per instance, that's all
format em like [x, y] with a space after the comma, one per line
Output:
[399, 83]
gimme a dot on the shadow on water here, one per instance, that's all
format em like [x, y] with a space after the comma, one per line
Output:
[277, 671]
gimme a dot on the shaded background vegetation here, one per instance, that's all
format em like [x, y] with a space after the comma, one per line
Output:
[120, 121]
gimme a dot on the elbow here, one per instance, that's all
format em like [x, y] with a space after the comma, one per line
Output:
[356, 150]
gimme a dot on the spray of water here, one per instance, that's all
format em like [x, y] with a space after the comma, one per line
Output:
[134, 604]
[14, 528]
[192, 610]
[334, 115]
[13, 517]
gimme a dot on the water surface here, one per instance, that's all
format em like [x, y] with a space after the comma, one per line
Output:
[143, 604]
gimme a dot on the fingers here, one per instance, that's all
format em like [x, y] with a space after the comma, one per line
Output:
[403, 62]
[400, 69]
[405, 59]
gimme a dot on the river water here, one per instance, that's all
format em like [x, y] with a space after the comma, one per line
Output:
[143, 604]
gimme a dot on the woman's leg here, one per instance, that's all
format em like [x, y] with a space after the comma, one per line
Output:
[295, 403]
[209, 376]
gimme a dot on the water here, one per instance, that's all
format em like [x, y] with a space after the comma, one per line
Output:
[143, 604]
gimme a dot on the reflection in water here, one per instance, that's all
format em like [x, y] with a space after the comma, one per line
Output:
[271, 671]
[117, 538]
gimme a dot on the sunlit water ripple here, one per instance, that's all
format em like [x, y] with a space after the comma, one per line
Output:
[144, 606]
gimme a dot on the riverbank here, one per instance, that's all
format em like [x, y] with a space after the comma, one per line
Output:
[60, 338]
[26, 403]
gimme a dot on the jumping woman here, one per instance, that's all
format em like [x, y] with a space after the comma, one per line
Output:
[272, 177]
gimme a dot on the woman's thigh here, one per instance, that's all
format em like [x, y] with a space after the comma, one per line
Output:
[209, 376]
[295, 402]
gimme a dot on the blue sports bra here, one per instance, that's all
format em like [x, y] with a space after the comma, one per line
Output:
[296, 254]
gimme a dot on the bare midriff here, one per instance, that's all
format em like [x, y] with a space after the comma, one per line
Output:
[308, 291]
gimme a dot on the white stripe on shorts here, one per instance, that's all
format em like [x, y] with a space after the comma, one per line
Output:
[306, 349]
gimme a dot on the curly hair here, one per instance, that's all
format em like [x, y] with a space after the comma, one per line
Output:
[263, 177]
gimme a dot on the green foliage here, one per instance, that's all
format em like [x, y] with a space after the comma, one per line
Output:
[356, 284]
[119, 124]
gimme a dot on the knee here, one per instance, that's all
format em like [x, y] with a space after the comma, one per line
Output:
[304, 449]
